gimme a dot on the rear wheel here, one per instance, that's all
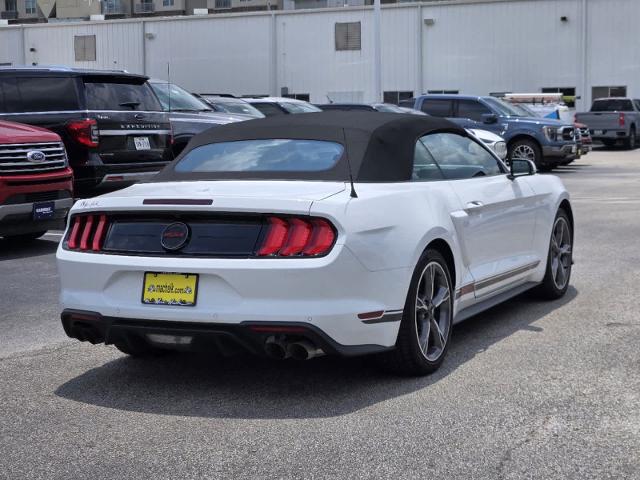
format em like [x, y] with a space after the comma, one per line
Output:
[426, 325]
[631, 141]
[559, 260]
[525, 149]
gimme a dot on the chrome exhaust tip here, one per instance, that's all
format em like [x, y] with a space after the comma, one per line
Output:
[275, 348]
[303, 350]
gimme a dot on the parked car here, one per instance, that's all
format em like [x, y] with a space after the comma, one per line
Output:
[272, 106]
[546, 142]
[613, 120]
[36, 183]
[583, 137]
[111, 123]
[228, 104]
[189, 115]
[368, 107]
[491, 140]
[341, 233]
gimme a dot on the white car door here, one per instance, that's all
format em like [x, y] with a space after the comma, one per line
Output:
[496, 222]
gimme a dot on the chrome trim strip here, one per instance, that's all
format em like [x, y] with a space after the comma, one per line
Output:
[487, 282]
[387, 317]
[133, 132]
[122, 177]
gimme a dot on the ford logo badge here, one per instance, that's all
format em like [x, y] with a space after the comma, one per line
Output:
[36, 156]
[174, 236]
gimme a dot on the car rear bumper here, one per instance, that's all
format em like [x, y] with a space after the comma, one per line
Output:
[96, 179]
[18, 219]
[608, 134]
[327, 294]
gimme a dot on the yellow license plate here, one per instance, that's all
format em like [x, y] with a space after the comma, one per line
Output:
[170, 289]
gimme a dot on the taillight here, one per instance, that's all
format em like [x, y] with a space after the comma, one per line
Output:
[621, 119]
[88, 232]
[84, 131]
[295, 236]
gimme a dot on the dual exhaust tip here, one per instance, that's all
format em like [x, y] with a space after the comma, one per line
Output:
[301, 350]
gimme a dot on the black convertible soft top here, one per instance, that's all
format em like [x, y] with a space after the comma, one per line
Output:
[378, 147]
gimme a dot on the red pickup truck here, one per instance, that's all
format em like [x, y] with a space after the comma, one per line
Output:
[36, 183]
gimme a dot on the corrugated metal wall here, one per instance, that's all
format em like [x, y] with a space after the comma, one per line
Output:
[474, 47]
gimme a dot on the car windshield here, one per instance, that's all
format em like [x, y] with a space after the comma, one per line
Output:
[385, 107]
[241, 107]
[296, 107]
[503, 107]
[176, 99]
[525, 110]
[271, 155]
[612, 105]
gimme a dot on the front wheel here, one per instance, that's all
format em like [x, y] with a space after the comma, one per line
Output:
[525, 149]
[559, 259]
[425, 329]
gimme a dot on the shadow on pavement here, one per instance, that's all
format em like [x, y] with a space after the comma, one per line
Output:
[13, 249]
[242, 387]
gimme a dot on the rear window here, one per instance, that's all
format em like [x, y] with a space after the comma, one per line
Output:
[38, 94]
[268, 109]
[299, 107]
[437, 108]
[612, 105]
[120, 96]
[272, 155]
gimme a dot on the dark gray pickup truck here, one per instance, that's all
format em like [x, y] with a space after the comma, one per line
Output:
[613, 120]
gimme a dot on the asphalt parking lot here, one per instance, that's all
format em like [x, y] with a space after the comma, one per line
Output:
[528, 390]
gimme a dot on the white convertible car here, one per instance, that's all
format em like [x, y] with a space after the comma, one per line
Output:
[339, 233]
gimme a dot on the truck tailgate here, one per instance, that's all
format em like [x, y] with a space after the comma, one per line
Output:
[600, 120]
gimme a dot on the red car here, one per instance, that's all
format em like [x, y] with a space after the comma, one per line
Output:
[36, 183]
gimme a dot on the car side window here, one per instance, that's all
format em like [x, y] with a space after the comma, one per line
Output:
[425, 169]
[471, 109]
[437, 107]
[268, 109]
[460, 157]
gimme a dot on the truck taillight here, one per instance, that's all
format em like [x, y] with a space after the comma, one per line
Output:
[84, 131]
[297, 237]
[87, 232]
[621, 119]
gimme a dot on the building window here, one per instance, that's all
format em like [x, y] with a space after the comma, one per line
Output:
[445, 92]
[298, 96]
[167, 3]
[85, 48]
[347, 36]
[604, 92]
[10, 5]
[396, 97]
[568, 94]
[223, 4]
[30, 7]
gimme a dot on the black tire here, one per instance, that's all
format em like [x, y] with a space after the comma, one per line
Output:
[526, 148]
[632, 140]
[407, 358]
[609, 143]
[549, 288]
[25, 237]
[138, 348]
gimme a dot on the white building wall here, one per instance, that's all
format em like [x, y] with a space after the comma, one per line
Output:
[11, 47]
[476, 47]
[502, 46]
[230, 53]
[309, 63]
[118, 45]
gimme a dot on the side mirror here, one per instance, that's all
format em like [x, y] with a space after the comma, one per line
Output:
[489, 118]
[521, 167]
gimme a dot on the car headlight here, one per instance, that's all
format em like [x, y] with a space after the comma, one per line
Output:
[551, 133]
[501, 149]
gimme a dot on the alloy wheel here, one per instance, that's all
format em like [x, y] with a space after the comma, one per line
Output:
[523, 152]
[433, 311]
[560, 252]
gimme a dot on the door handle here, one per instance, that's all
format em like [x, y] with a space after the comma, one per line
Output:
[474, 205]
